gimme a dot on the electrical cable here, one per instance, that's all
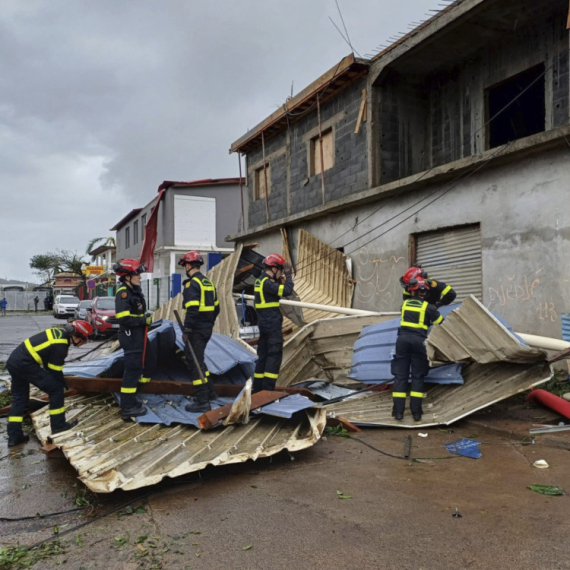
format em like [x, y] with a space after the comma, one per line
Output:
[40, 515]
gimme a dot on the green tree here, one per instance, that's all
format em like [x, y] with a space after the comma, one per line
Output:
[45, 265]
[72, 263]
[108, 241]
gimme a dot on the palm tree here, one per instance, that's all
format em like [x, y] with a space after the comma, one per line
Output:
[108, 241]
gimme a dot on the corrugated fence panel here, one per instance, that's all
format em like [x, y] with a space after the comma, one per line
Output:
[453, 256]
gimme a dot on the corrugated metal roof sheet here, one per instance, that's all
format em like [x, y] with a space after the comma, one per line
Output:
[110, 454]
[498, 365]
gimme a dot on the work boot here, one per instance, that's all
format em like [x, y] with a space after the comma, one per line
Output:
[17, 439]
[398, 416]
[63, 427]
[417, 417]
[198, 406]
[133, 411]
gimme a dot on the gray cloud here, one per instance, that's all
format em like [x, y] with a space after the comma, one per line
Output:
[101, 101]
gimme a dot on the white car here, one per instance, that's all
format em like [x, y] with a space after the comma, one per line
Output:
[64, 306]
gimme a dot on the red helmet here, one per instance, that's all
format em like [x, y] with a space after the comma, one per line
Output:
[192, 257]
[411, 276]
[419, 285]
[128, 267]
[274, 260]
[79, 328]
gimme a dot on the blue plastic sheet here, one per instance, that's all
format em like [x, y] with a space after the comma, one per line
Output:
[287, 406]
[465, 447]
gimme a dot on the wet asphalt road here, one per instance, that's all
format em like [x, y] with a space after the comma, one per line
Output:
[285, 513]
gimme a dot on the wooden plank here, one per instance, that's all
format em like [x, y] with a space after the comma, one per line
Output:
[563, 354]
[244, 269]
[361, 113]
[214, 417]
[334, 422]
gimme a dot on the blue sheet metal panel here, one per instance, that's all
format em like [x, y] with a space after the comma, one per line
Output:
[566, 327]
[371, 359]
[287, 406]
[325, 390]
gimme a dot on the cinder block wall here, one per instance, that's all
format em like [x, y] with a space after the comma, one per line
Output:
[288, 156]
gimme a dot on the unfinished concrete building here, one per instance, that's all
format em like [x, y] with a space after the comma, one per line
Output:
[451, 148]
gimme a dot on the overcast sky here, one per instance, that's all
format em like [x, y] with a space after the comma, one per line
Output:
[100, 101]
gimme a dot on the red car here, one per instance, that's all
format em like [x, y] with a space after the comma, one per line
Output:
[102, 316]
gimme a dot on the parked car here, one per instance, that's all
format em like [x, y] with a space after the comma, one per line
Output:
[81, 310]
[102, 316]
[65, 305]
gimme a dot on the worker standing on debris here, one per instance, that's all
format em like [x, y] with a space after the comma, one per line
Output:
[439, 294]
[202, 308]
[411, 357]
[39, 361]
[130, 310]
[272, 285]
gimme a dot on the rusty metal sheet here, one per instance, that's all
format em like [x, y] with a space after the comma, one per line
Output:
[111, 454]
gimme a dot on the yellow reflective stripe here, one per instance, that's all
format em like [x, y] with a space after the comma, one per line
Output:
[399, 394]
[126, 314]
[203, 307]
[34, 354]
[144, 380]
[407, 293]
[417, 394]
[271, 375]
[207, 374]
[57, 411]
[192, 304]
[128, 390]
[262, 304]
[121, 289]
[54, 367]
[445, 291]
[15, 419]
[259, 375]
[437, 321]
[280, 290]
[197, 382]
[216, 303]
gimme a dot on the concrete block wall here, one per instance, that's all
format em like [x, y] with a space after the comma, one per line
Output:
[288, 155]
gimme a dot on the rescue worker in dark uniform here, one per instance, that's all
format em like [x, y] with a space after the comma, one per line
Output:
[439, 294]
[130, 311]
[411, 357]
[272, 285]
[39, 361]
[202, 308]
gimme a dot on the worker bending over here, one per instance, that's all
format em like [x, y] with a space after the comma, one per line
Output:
[273, 284]
[439, 293]
[411, 356]
[39, 361]
[202, 308]
[130, 311]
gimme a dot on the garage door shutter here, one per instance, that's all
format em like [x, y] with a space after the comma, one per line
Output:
[453, 256]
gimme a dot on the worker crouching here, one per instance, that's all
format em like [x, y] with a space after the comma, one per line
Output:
[411, 356]
[202, 308]
[39, 361]
[272, 285]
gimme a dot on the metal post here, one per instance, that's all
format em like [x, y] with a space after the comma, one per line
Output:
[241, 193]
[321, 149]
[265, 176]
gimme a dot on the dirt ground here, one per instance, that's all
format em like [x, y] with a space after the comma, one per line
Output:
[287, 512]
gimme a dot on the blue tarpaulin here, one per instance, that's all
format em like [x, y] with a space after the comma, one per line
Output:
[465, 447]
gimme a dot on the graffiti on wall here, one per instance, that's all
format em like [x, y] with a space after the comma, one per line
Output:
[523, 289]
[377, 276]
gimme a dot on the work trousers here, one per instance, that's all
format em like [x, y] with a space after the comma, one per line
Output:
[269, 358]
[411, 359]
[132, 342]
[23, 375]
[203, 388]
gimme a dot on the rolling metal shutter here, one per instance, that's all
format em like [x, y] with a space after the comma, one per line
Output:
[454, 257]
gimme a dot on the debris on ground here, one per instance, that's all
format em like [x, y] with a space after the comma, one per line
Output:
[465, 447]
[550, 490]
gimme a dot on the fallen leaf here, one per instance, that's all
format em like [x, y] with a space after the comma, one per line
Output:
[551, 490]
[248, 547]
[141, 538]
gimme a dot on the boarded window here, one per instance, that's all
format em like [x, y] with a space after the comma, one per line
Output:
[518, 107]
[127, 238]
[136, 232]
[328, 152]
[453, 256]
[260, 176]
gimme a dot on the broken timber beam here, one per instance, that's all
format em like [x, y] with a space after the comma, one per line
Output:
[106, 385]
[214, 417]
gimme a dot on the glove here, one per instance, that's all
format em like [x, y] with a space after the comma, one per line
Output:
[148, 316]
[287, 269]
